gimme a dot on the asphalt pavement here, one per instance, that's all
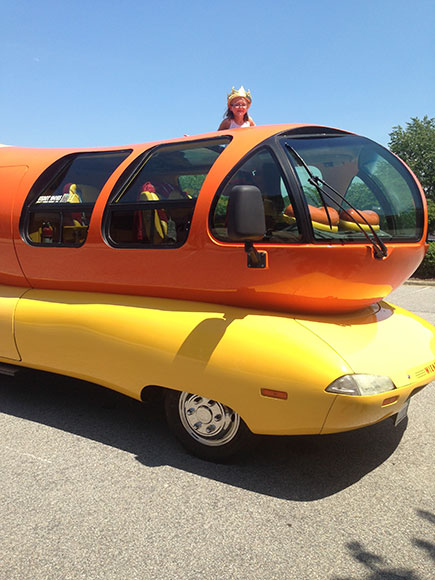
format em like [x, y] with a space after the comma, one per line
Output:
[93, 487]
[416, 296]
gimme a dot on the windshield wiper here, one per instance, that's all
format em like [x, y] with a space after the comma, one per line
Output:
[379, 248]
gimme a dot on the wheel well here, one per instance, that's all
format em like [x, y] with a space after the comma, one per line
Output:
[152, 393]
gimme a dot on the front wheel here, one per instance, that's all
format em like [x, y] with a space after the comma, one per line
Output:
[208, 429]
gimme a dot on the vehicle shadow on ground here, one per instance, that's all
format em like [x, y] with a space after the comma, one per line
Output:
[303, 468]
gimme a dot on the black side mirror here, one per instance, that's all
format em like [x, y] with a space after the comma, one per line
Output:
[247, 221]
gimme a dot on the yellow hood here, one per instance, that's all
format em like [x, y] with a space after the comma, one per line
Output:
[382, 340]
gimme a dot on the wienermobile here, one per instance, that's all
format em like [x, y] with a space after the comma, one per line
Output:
[240, 273]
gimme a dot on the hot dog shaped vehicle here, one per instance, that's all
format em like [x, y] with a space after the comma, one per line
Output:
[242, 273]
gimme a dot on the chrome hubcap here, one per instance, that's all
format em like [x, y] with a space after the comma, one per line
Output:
[206, 420]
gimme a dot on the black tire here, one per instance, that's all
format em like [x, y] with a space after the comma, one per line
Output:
[206, 428]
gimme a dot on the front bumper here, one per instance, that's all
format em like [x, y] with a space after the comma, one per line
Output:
[350, 412]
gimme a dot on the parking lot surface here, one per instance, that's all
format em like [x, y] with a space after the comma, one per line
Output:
[93, 487]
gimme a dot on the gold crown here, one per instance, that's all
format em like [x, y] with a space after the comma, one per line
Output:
[239, 93]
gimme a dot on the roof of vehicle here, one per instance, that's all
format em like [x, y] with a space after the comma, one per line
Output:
[252, 134]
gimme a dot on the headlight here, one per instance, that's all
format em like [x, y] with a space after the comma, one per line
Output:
[361, 385]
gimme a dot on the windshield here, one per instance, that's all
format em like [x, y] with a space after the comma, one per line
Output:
[365, 191]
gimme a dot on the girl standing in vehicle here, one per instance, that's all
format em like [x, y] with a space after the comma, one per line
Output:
[236, 116]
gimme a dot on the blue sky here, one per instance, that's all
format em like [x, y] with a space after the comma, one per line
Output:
[99, 73]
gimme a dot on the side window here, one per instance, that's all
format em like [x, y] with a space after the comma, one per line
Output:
[260, 170]
[59, 206]
[153, 206]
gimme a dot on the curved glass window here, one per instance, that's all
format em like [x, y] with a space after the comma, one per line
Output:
[263, 171]
[354, 188]
[154, 202]
[59, 206]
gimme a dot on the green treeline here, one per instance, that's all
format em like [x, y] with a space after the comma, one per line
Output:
[415, 144]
